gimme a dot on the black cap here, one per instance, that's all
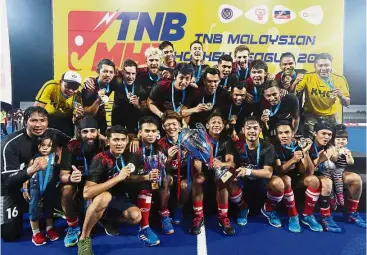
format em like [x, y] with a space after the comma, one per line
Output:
[323, 125]
[88, 121]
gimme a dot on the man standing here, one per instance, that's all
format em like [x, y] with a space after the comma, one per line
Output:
[105, 187]
[3, 122]
[227, 79]
[149, 75]
[168, 61]
[324, 92]
[75, 166]
[62, 101]
[241, 66]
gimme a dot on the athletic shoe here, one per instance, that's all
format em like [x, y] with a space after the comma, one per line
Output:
[110, 228]
[197, 223]
[272, 218]
[329, 224]
[310, 221]
[293, 225]
[39, 239]
[52, 234]
[177, 216]
[72, 236]
[85, 247]
[167, 227]
[225, 224]
[356, 219]
[148, 237]
[242, 217]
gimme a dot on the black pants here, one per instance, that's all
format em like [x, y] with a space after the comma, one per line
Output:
[3, 129]
[12, 221]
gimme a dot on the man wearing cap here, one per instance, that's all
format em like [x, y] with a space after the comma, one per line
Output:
[62, 101]
[75, 161]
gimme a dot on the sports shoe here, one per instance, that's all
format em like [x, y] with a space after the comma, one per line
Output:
[177, 216]
[52, 234]
[72, 236]
[356, 219]
[85, 247]
[167, 227]
[110, 228]
[329, 224]
[39, 239]
[148, 237]
[197, 223]
[293, 225]
[310, 221]
[272, 218]
[225, 224]
[242, 217]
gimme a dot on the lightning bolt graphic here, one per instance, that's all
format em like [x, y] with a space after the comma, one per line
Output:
[107, 19]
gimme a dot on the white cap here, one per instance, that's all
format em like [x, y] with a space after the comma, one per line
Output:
[71, 76]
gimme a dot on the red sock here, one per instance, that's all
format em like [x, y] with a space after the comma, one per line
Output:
[311, 197]
[198, 208]
[290, 203]
[352, 205]
[237, 199]
[272, 199]
[72, 222]
[144, 203]
[164, 213]
[325, 212]
[223, 211]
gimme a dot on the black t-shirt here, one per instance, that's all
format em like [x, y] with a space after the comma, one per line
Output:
[240, 74]
[228, 82]
[146, 80]
[161, 95]
[105, 166]
[257, 92]
[285, 154]
[197, 75]
[240, 111]
[288, 109]
[248, 158]
[199, 96]
[72, 154]
[225, 147]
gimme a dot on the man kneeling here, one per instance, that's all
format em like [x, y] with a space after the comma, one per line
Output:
[105, 188]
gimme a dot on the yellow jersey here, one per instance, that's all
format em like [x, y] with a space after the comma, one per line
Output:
[317, 93]
[56, 103]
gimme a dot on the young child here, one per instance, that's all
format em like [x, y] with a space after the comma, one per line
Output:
[42, 190]
[342, 158]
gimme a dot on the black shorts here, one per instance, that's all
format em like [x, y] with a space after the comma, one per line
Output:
[254, 192]
[117, 206]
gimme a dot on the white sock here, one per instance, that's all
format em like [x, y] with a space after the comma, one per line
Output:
[48, 228]
[35, 231]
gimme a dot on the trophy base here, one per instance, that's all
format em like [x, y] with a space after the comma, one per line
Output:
[226, 177]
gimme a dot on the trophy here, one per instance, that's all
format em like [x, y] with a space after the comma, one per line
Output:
[197, 143]
[155, 162]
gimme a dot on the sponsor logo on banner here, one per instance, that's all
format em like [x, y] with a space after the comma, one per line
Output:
[259, 14]
[228, 13]
[282, 14]
[313, 15]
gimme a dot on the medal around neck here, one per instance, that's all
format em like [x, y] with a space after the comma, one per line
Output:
[129, 95]
[266, 112]
[131, 166]
[210, 106]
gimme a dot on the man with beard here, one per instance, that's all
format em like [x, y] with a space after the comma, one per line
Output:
[204, 100]
[255, 160]
[172, 96]
[240, 67]
[75, 162]
[227, 79]
[235, 111]
[178, 170]
[146, 176]
[17, 150]
[129, 99]
[148, 76]
[94, 100]
[62, 100]
[168, 62]
[289, 76]
[296, 169]
[324, 92]
[106, 188]
[222, 158]
[274, 108]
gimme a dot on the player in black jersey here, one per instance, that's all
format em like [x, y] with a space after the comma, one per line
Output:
[106, 189]
[75, 165]
[17, 150]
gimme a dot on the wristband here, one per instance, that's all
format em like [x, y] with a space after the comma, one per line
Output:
[248, 171]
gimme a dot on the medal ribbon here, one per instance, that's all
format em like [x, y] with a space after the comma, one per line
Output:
[44, 181]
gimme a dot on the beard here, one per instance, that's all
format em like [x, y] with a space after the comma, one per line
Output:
[89, 148]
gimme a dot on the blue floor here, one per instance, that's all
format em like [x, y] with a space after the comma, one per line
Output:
[256, 238]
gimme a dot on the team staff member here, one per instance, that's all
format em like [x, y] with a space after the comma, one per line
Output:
[92, 99]
[62, 101]
[17, 150]
[105, 186]
[323, 92]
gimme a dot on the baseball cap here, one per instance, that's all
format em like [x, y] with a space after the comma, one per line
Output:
[73, 79]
